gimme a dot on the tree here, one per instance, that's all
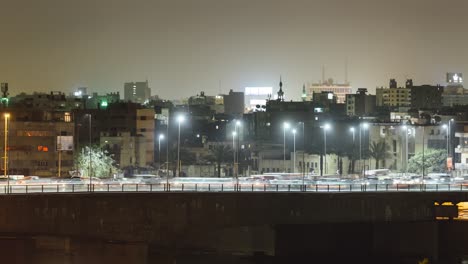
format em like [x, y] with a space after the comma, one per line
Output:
[352, 155]
[379, 152]
[186, 158]
[434, 161]
[220, 154]
[101, 165]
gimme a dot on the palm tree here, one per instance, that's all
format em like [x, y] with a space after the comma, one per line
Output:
[379, 151]
[220, 154]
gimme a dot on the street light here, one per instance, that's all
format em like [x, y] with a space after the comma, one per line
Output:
[450, 136]
[365, 126]
[161, 137]
[447, 129]
[325, 128]
[303, 153]
[89, 153]
[180, 119]
[405, 130]
[5, 161]
[294, 150]
[234, 133]
[285, 126]
[236, 164]
[353, 132]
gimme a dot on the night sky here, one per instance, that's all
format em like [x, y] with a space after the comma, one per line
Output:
[186, 46]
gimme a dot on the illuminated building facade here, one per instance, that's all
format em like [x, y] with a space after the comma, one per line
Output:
[137, 92]
[339, 89]
[256, 98]
[34, 137]
[394, 96]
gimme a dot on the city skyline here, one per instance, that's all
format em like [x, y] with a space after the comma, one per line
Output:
[183, 48]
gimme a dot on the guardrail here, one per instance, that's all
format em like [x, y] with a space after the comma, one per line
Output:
[200, 187]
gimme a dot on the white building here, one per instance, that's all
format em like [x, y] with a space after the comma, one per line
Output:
[339, 89]
[257, 96]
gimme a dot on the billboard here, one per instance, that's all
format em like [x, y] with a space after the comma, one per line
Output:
[64, 143]
[453, 77]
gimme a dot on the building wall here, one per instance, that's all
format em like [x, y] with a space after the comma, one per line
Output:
[395, 97]
[394, 135]
[145, 127]
[426, 96]
[360, 104]
[312, 162]
[127, 150]
[32, 148]
[137, 92]
[234, 103]
[340, 90]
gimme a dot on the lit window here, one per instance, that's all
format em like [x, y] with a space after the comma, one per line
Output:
[43, 148]
[67, 117]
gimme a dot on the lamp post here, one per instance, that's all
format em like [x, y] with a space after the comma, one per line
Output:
[89, 153]
[447, 132]
[294, 150]
[450, 137]
[325, 128]
[405, 130]
[238, 124]
[167, 153]
[285, 126]
[161, 137]
[365, 125]
[233, 153]
[353, 131]
[5, 161]
[180, 119]
[303, 153]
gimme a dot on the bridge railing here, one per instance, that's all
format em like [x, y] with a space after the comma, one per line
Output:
[202, 187]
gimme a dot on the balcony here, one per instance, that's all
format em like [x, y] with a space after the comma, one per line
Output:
[461, 149]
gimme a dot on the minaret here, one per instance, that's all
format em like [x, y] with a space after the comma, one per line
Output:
[280, 92]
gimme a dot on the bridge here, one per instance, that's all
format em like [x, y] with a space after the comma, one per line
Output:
[268, 226]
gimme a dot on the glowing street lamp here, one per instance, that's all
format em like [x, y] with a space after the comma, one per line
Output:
[361, 126]
[285, 126]
[234, 133]
[180, 119]
[238, 123]
[325, 128]
[5, 161]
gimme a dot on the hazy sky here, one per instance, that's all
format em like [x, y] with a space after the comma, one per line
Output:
[186, 46]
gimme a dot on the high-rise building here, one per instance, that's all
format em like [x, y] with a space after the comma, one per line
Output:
[426, 96]
[233, 103]
[256, 97]
[394, 96]
[137, 92]
[339, 89]
[454, 92]
[360, 104]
